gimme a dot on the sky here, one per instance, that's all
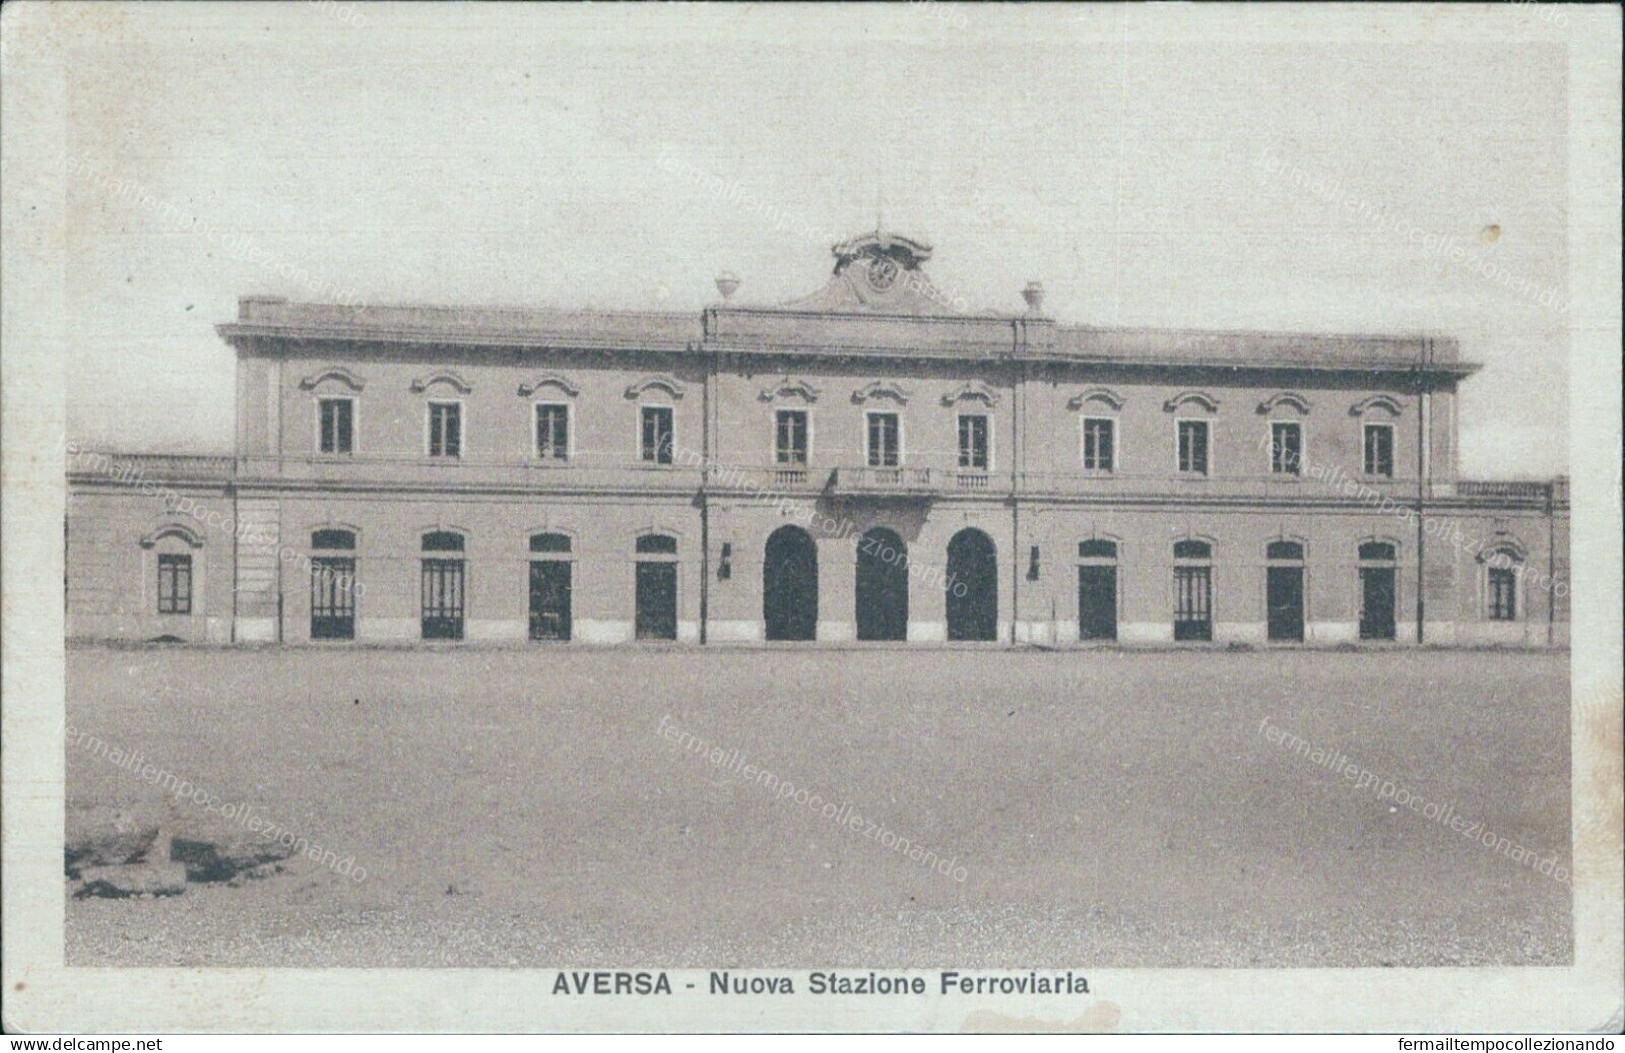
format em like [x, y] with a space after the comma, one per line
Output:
[1203, 173]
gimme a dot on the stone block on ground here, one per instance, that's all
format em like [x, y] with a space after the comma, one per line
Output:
[138, 879]
[101, 836]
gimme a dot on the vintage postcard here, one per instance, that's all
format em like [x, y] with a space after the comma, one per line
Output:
[901, 517]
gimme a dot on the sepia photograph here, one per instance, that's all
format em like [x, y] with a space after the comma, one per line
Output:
[898, 517]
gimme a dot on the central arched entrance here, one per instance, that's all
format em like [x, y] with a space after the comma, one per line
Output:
[973, 587]
[882, 586]
[790, 585]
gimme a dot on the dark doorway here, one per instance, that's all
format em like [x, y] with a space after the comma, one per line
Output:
[790, 585]
[1376, 603]
[1285, 598]
[550, 599]
[1097, 603]
[332, 598]
[657, 601]
[973, 587]
[882, 586]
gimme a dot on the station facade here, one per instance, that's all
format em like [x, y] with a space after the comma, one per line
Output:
[864, 464]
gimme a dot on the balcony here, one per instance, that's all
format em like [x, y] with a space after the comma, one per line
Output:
[918, 482]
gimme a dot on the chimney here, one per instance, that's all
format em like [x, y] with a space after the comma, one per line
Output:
[1034, 295]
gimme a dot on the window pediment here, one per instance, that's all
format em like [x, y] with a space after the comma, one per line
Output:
[1284, 398]
[442, 376]
[1102, 396]
[971, 391]
[1385, 402]
[789, 386]
[1192, 398]
[665, 381]
[879, 389]
[174, 530]
[335, 373]
[549, 380]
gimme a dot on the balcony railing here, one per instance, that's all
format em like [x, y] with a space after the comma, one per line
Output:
[1553, 490]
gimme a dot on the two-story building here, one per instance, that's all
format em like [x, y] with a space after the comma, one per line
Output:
[866, 463]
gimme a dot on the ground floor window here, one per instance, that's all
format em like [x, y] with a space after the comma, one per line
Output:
[1193, 590]
[174, 584]
[442, 600]
[1503, 594]
[332, 598]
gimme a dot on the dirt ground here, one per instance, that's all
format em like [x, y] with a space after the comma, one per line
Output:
[576, 807]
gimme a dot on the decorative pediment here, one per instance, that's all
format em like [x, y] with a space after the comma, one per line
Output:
[175, 530]
[1105, 396]
[548, 380]
[1185, 398]
[971, 391]
[1371, 402]
[666, 381]
[442, 376]
[788, 386]
[1284, 398]
[338, 373]
[881, 389]
[1505, 546]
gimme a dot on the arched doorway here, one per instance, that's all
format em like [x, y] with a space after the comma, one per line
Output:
[790, 585]
[973, 587]
[882, 586]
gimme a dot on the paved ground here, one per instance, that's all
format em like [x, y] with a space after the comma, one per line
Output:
[1106, 808]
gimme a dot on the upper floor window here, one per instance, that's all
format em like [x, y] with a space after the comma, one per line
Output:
[885, 445]
[336, 424]
[553, 431]
[174, 584]
[973, 438]
[1193, 447]
[445, 429]
[790, 437]
[1379, 450]
[1099, 444]
[1286, 447]
[657, 437]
